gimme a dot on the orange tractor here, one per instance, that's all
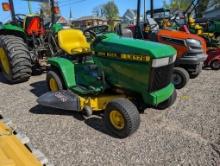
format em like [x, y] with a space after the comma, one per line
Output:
[191, 49]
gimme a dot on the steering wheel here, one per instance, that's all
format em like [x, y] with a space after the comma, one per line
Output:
[92, 32]
[20, 17]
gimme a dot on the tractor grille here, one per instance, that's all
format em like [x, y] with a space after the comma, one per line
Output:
[160, 77]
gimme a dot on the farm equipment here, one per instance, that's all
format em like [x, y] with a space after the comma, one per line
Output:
[26, 43]
[213, 59]
[208, 29]
[191, 49]
[120, 76]
[15, 148]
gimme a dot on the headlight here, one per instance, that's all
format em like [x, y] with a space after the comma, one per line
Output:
[173, 59]
[160, 62]
[193, 42]
[163, 61]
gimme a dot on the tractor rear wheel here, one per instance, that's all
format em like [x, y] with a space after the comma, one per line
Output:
[15, 61]
[180, 77]
[121, 117]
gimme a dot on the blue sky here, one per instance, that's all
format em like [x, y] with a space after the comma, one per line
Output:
[79, 7]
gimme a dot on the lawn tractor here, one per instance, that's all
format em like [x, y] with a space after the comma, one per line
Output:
[26, 42]
[213, 59]
[191, 49]
[118, 77]
[208, 29]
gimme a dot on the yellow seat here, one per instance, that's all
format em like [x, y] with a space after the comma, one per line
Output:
[73, 41]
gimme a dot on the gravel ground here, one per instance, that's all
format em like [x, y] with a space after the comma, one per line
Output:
[188, 133]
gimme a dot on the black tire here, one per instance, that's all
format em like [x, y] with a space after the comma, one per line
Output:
[196, 74]
[180, 77]
[168, 102]
[215, 65]
[18, 57]
[53, 74]
[130, 116]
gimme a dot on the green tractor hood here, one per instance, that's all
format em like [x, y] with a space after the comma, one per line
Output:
[117, 44]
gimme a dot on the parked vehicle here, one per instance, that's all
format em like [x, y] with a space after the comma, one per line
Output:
[26, 43]
[120, 76]
[213, 59]
[191, 49]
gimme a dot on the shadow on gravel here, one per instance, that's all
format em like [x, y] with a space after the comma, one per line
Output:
[207, 68]
[39, 88]
[52, 111]
[98, 124]
[95, 121]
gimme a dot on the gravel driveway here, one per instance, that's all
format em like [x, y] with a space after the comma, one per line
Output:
[188, 133]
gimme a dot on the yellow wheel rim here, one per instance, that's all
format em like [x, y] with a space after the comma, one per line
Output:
[4, 62]
[53, 85]
[117, 119]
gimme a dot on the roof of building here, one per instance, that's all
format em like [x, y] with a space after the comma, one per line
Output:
[90, 18]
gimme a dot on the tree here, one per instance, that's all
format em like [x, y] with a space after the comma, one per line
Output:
[177, 4]
[98, 11]
[45, 9]
[110, 10]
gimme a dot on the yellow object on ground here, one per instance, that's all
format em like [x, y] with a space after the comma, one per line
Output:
[12, 151]
[73, 41]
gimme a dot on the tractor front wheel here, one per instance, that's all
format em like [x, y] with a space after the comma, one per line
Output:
[15, 61]
[121, 117]
[54, 82]
[180, 77]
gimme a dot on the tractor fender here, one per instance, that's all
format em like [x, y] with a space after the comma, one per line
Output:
[66, 69]
[9, 29]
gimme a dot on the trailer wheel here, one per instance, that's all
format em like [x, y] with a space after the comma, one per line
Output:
[121, 117]
[15, 61]
[180, 77]
[215, 65]
[54, 82]
[167, 103]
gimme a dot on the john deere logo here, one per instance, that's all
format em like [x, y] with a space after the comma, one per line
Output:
[130, 57]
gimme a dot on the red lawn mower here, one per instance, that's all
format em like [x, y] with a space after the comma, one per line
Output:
[213, 59]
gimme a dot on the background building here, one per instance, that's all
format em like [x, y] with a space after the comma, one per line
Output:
[129, 17]
[88, 21]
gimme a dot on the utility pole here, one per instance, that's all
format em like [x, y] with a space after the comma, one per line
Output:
[71, 16]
